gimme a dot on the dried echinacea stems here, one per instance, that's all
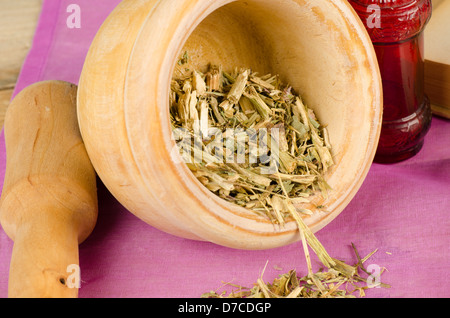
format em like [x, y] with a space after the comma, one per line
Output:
[247, 137]
[322, 284]
[253, 142]
[337, 280]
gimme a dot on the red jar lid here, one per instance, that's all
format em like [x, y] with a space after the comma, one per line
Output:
[393, 20]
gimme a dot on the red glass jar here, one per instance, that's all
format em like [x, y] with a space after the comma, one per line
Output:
[396, 29]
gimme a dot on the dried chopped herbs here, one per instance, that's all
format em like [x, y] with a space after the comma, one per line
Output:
[250, 140]
[328, 283]
[253, 142]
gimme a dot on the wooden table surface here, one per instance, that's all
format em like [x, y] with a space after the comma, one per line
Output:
[18, 20]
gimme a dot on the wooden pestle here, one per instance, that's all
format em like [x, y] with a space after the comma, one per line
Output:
[49, 199]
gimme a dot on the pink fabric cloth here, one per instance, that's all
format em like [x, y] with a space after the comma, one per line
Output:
[402, 210]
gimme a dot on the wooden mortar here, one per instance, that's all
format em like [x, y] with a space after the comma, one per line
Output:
[320, 47]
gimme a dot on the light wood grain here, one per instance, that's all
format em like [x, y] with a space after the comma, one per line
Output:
[5, 97]
[18, 20]
[437, 64]
[49, 197]
[437, 86]
[437, 3]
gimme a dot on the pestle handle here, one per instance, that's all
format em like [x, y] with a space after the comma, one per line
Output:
[45, 250]
[49, 198]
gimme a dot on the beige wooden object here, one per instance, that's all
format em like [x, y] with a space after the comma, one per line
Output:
[49, 200]
[437, 59]
[318, 46]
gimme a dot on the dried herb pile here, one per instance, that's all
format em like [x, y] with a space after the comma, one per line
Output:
[267, 146]
[322, 284]
[253, 142]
